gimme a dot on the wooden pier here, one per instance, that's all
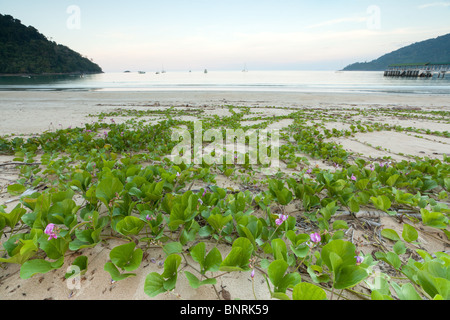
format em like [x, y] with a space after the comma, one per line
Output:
[417, 70]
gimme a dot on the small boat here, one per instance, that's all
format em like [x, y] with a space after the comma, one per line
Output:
[141, 72]
[206, 71]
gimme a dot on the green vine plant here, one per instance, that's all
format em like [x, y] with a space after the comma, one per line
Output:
[110, 180]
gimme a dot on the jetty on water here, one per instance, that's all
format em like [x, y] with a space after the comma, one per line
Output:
[417, 70]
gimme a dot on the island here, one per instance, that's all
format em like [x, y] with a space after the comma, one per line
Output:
[24, 50]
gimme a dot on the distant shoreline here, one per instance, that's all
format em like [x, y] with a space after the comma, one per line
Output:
[45, 74]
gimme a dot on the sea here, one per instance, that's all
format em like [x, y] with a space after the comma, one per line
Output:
[268, 81]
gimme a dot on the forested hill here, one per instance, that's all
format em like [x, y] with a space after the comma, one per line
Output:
[23, 50]
[432, 51]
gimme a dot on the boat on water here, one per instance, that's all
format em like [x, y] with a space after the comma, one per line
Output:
[141, 72]
[206, 71]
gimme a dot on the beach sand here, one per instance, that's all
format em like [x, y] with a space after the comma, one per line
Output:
[24, 113]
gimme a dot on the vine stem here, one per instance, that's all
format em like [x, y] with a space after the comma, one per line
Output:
[301, 262]
[253, 288]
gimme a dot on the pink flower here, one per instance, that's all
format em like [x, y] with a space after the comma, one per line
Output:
[315, 237]
[353, 177]
[309, 171]
[51, 231]
[281, 219]
[359, 259]
[253, 273]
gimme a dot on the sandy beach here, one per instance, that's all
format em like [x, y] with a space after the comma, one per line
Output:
[27, 113]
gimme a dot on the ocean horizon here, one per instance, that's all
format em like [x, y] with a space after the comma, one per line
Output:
[247, 81]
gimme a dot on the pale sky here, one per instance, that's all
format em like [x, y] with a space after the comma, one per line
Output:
[226, 34]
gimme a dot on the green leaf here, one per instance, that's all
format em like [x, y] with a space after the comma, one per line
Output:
[280, 296]
[107, 189]
[60, 211]
[392, 180]
[434, 279]
[79, 266]
[399, 247]
[328, 211]
[130, 225]
[16, 189]
[213, 260]
[276, 271]
[171, 265]
[238, 258]
[343, 250]
[390, 257]
[125, 257]
[279, 279]
[115, 273]
[32, 267]
[376, 295]
[198, 253]
[284, 196]
[279, 249]
[340, 224]
[434, 219]
[308, 291]
[353, 205]
[390, 234]
[301, 250]
[154, 284]
[429, 184]
[317, 275]
[362, 184]
[195, 282]
[218, 221]
[172, 247]
[14, 216]
[406, 291]
[349, 276]
[381, 202]
[85, 239]
[54, 248]
[409, 234]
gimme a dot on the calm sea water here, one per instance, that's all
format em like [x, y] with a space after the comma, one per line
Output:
[288, 81]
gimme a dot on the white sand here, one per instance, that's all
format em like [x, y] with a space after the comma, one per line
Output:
[25, 112]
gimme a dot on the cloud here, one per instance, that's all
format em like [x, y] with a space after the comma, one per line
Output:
[434, 4]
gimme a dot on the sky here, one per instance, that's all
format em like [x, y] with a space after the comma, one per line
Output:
[193, 35]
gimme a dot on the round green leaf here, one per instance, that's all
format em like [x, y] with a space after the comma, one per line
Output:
[154, 284]
[390, 234]
[308, 291]
[32, 267]
[409, 234]
[130, 225]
